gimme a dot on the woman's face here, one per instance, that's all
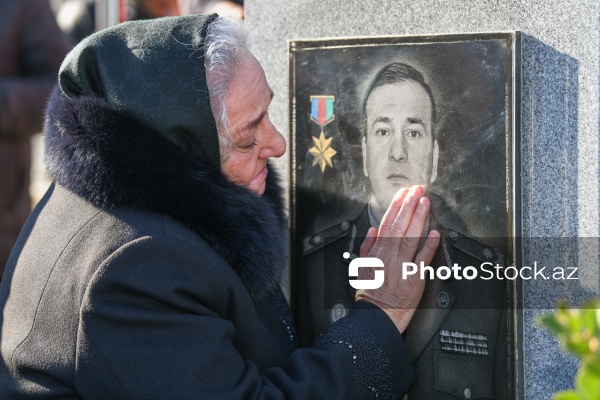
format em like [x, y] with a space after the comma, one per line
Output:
[255, 139]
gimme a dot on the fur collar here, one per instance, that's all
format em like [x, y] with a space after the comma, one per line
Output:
[102, 154]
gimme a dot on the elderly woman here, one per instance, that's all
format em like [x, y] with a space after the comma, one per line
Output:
[150, 268]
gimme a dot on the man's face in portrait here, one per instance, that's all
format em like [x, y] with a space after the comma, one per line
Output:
[399, 149]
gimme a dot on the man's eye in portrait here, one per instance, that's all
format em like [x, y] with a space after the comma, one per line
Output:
[382, 132]
[413, 134]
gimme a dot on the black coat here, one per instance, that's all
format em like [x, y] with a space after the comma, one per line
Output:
[145, 274]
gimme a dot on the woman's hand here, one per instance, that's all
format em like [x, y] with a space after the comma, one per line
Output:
[397, 241]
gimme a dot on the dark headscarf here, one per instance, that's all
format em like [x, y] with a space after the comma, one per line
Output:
[154, 70]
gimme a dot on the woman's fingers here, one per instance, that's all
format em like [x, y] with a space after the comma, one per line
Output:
[427, 252]
[413, 234]
[369, 242]
[404, 220]
[385, 228]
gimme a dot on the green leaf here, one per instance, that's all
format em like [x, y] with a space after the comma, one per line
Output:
[550, 323]
[566, 395]
[579, 348]
[578, 331]
[593, 363]
[589, 321]
[587, 383]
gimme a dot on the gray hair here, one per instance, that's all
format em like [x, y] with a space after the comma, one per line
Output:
[226, 48]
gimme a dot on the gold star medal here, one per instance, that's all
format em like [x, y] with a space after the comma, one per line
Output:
[322, 152]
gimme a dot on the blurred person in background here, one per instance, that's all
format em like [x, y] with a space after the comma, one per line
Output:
[31, 51]
[77, 19]
[231, 8]
[148, 9]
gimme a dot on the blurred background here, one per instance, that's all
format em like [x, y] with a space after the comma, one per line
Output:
[37, 34]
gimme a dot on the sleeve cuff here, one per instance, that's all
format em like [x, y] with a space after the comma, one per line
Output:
[390, 341]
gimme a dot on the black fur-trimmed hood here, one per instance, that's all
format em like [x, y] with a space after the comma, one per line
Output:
[109, 158]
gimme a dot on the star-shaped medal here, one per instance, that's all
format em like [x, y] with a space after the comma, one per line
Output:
[322, 152]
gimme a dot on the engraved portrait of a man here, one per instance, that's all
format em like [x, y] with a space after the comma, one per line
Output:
[404, 122]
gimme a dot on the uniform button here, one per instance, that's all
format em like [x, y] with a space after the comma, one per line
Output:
[345, 225]
[453, 235]
[443, 300]
[467, 393]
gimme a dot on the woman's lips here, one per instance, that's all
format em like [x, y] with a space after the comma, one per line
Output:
[261, 175]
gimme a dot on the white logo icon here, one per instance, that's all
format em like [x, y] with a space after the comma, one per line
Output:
[365, 262]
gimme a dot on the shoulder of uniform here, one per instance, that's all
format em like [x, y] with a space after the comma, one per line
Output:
[474, 248]
[322, 238]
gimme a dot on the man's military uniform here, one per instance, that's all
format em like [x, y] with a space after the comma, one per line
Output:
[458, 336]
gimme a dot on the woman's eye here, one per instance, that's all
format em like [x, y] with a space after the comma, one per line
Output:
[249, 146]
